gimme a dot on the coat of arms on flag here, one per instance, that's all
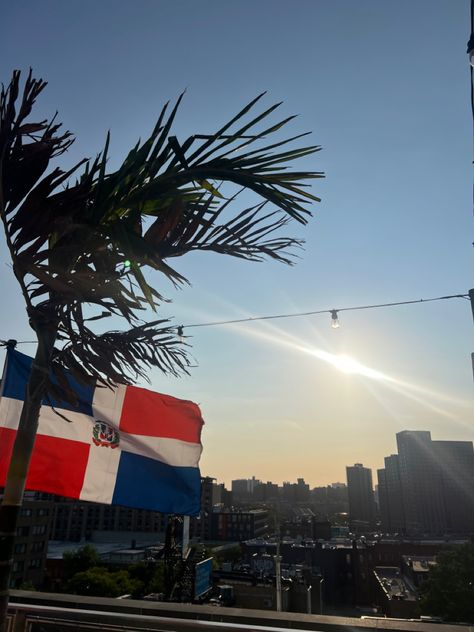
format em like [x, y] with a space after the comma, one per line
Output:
[103, 434]
[126, 446]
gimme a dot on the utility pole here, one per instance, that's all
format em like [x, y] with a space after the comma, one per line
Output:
[471, 298]
[278, 576]
[278, 562]
[321, 579]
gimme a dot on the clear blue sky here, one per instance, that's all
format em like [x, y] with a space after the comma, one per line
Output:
[384, 86]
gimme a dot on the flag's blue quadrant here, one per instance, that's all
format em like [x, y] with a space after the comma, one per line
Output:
[127, 445]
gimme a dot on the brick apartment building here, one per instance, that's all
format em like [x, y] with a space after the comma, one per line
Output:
[31, 542]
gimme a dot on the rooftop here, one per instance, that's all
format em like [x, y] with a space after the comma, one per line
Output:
[420, 564]
[56, 548]
[394, 584]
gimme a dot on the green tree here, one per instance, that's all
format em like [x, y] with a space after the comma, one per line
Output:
[80, 560]
[143, 573]
[157, 582]
[100, 582]
[79, 248]
[232, 555]
[449, 589]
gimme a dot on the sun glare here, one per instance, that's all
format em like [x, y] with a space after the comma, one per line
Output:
[350, 366]
[346, 364]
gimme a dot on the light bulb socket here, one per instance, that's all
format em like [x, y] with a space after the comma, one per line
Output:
[334, 319]
[180, 332]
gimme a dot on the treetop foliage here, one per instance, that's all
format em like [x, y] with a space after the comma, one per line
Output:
[449, 590]
[79, 247]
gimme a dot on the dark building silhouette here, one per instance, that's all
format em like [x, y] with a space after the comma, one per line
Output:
[455, 460]
[240, 489]
[31, 541]
[239, 525]
[200, 527]
[321, 529]
[266, 492]
[243, 489]
[390, 496]
[75, 520]
[421, 483]
[330, 500]
[221, 495]
[361, 497]
[295, 492]
[428, 488]
[382, 494]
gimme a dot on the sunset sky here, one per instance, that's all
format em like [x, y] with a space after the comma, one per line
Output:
[384, 87]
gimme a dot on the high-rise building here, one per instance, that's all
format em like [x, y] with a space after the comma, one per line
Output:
[428, 488]
[455, 460]
[221, 495]
[242, 489]
[75, 520]
[383, 500]
[265, 492]
[31, 541]
[392, 513]
[361, 497]
[302, 490]
[421, 483]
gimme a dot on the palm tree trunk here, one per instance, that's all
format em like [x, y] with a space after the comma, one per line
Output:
[20, 461]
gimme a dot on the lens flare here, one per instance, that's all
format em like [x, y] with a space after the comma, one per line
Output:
[346, 364]
[431, 399]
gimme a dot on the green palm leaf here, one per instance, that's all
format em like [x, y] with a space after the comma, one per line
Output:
[89, 244]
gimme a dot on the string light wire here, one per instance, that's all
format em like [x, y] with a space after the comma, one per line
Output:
[250, 319]
[320, 311]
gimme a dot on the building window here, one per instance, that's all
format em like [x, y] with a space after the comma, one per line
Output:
[37, 547]
[25, 512]
[43, 512]
[35, 563]
[38, 529]
[20, 548]
[23, 531]
[18, 566]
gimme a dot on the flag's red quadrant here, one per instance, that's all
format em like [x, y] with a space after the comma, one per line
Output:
[57, 465]
[155, 415]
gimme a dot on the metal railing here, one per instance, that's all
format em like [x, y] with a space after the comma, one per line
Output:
[43, 612]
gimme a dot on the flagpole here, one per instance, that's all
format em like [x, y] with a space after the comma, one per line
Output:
[20, 459]
[185, 542]
[10, 344]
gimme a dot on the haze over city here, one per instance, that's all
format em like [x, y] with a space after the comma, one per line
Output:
[384, 87]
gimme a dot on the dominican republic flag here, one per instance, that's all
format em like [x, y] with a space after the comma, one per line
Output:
[127, 446]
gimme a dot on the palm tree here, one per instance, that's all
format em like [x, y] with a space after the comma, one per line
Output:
[79, 247]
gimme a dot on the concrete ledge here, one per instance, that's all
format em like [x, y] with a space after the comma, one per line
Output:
[94, 609]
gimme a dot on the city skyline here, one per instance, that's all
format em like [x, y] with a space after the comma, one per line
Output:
[294, 398]
[343, 478]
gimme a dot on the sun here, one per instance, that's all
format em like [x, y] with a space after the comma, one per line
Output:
[346, 364]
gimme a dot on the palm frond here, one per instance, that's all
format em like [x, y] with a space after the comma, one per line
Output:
[89, 242]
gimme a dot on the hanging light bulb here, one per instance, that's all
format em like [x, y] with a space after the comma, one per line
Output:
[180, 333]
[334, 319]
